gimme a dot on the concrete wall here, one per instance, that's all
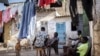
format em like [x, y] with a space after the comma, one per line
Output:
[69, 33]
[51, 22]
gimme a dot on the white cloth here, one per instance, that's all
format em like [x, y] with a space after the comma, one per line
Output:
[13, 11]
[31, 32]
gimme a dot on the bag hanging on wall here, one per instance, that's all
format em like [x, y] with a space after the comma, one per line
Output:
[58, 3]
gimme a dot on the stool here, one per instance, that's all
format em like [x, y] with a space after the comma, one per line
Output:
[40, 51]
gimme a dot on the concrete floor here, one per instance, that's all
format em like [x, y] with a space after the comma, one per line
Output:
[26, 53]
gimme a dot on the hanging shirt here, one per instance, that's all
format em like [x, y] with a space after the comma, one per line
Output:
[0, 17]
[47, 2]
[82, 49]
[6, 15]
[1, 23]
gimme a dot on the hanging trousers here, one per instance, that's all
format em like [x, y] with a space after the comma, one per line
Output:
[74, 12]
[87, 6]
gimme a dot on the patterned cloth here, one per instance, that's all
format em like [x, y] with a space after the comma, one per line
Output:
[40, 39]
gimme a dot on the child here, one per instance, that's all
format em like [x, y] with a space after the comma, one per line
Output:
[18, 48]
[53, 43]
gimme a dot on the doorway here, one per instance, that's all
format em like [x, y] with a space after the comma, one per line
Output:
[61, 29]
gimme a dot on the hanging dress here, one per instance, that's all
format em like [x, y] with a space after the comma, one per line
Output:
[28, 13]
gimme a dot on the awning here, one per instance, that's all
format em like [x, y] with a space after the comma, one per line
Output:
[6, 3]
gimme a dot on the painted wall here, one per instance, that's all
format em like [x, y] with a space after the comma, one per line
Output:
[52, 24]
[52, 27]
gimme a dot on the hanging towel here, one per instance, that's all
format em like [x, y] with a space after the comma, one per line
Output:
[6, 16]
[28, 13]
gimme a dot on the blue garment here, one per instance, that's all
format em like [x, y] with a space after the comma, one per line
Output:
[28, 13]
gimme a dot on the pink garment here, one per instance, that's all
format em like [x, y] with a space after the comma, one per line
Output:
[6, 16]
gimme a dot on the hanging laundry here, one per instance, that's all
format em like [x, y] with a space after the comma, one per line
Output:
[28, 13]
[74, 12]
[13, 11]
[1, 23]
[43, 3]
[31, 30]
[6, 16]
[0, 17]
[20, 9]
[57, 3]
[48, 2]
[88, 5]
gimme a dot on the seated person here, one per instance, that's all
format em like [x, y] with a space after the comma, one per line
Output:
[82, 49]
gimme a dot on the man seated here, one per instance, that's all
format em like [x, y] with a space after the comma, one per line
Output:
[83, 48]
[73, 43]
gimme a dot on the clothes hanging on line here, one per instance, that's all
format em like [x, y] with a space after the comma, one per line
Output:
[43, 3]
[28, 14]
[88, 5]
[13, 11]
[31, 30]
[6, 16]
[58, 3]
[0, 17]
[74, 11]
